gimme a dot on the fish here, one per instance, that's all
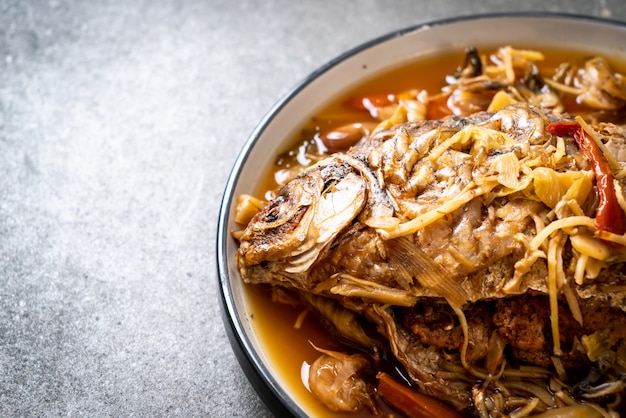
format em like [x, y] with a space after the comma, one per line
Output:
[457, 216]
[333, 220]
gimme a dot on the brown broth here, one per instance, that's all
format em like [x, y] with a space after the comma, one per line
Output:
[286, 347]
[424, 74]
[289, 348]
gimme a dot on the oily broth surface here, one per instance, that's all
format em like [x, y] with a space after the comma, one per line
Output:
[421, 74]
[288, 348]
[426, 74]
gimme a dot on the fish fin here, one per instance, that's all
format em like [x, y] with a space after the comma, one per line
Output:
[410, 261]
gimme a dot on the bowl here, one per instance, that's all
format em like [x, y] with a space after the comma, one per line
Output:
[286, 118]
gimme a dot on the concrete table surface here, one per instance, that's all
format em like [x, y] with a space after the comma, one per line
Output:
[119, 123]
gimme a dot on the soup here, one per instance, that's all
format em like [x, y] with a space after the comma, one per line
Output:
[276, 322]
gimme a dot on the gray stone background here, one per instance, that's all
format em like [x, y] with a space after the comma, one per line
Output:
[119, 123]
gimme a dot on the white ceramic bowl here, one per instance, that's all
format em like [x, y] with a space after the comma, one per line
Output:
[285, 119]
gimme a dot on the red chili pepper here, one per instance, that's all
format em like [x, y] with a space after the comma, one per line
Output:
[371, 103]
[412, 403]
[371, 100]
[609, 214]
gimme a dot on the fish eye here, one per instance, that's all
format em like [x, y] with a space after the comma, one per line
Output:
[272, 215]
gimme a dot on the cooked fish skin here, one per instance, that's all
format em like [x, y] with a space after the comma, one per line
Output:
[423, 364]
[290, 243]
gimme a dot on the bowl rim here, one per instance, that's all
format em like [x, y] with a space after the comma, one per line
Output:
[267, 387]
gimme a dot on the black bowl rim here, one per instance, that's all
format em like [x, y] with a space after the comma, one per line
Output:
[268, 389]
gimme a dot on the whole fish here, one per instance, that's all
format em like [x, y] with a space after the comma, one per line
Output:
[434, 230]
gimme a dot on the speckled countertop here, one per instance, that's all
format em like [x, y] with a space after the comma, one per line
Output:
[119, 122]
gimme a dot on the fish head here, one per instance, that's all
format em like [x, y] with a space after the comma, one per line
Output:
[286, 238]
